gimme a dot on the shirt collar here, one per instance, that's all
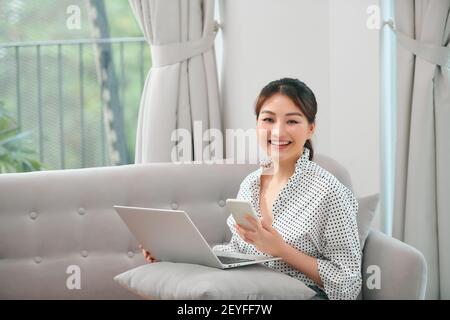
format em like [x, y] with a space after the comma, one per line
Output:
[302, 161]
[300, 164]
[267, 163]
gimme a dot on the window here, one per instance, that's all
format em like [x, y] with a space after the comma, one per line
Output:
[70, 84]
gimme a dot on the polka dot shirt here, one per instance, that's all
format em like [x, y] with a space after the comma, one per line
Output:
[316, 214]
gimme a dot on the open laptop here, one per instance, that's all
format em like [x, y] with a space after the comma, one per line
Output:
[170, 235]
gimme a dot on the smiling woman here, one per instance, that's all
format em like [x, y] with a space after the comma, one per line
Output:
[286, 111]
[305, 215]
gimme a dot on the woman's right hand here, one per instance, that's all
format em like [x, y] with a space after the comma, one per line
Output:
[147, 255]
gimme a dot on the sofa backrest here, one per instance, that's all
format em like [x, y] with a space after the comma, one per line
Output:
[56, 225]
[52, 220]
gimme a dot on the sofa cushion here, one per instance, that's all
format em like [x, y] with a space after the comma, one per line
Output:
[167, 280]
[366, 211]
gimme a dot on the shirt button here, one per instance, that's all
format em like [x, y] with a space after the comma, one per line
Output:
[81, 211]
[130, 254]
[221, 203]
[38, 259]
[84, 253]
[174, 206]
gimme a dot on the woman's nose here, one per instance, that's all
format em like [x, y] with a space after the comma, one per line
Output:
[278, 129]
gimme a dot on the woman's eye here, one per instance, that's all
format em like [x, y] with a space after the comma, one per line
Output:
[292, 122]
[268, 120]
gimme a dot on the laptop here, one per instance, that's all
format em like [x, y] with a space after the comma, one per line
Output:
[170, 235]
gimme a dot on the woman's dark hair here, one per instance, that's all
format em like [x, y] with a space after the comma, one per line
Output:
[299, 93]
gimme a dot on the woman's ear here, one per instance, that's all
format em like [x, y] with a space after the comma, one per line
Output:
[312, 128]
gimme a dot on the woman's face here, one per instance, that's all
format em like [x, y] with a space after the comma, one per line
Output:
[282, 128]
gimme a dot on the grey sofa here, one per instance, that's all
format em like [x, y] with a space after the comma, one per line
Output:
[52, 220]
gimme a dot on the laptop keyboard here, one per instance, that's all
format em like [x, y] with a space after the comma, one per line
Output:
[228, 260]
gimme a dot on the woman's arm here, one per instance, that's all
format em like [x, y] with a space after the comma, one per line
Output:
[267, 239]
[302, 262]
[340, 267]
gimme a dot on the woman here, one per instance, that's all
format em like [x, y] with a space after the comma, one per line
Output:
[307, 217]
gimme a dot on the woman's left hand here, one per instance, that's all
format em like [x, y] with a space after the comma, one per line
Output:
[264, 237]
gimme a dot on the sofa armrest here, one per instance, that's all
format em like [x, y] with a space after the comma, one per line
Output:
[402, 269]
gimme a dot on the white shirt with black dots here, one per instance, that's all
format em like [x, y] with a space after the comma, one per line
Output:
[316, 214]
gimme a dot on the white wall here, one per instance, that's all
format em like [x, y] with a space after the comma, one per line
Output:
[327, 45]
[354, 93]
[267, 39]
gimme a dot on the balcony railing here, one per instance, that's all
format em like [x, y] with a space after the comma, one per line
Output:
[53, 88]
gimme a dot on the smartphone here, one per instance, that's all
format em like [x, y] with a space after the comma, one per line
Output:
[239, 209]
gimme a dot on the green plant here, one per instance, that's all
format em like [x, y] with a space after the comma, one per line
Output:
[15, 155]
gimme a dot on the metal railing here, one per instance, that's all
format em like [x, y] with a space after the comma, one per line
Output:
[29, 87]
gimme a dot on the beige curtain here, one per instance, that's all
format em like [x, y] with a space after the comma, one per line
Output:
[181, 89]
[422, 191]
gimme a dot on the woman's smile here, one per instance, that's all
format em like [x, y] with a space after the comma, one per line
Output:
[280, 144]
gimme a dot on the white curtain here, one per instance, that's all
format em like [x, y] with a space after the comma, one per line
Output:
[422, 191]
[181, 89]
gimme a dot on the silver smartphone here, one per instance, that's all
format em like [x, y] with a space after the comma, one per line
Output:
[239, 209]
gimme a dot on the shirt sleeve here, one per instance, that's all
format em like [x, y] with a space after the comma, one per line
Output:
[235, 243]
[340, 268]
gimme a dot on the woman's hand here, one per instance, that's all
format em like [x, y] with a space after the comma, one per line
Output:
[147, 255]
[264, 237]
